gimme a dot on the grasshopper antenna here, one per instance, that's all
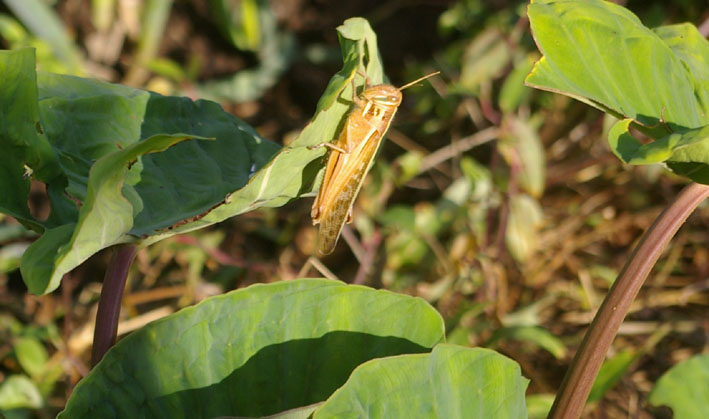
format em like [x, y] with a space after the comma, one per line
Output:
[407, 85]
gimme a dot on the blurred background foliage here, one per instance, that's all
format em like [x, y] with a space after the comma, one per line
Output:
[500, 205]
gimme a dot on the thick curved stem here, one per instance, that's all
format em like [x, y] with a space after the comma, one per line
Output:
[109, 305]
[582, 373]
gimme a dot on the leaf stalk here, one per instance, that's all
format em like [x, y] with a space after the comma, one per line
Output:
[584, 368]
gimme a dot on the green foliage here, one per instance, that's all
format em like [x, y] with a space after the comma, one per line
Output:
[282, 345]
[684, 388]
[32, 375]
[116, 173]
[655, 80]
[450, 382]
[295, 343]
[92, 141]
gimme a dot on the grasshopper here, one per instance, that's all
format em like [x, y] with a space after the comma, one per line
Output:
[351, 157]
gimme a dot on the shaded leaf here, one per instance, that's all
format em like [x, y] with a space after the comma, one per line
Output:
[21, 135]
[685, 153]
[104, 218]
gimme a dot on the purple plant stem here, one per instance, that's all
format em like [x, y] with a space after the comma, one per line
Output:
[584, 368]
[109, 305]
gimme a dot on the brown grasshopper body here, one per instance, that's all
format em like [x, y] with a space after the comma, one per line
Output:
[351, 157]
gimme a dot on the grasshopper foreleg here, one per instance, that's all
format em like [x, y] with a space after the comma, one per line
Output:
[331, 146]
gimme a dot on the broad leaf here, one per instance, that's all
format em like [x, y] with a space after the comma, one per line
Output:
[601, 54]
[685, 388]
[103, 219]
[254, 352]
[149, 187]
[450, 382]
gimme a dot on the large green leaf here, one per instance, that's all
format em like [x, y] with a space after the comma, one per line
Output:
[600, 53]
[254, 352]
[450, 382]
[144, 193]
[685, 388]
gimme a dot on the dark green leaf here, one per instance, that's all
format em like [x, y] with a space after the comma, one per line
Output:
[21, 135]
[139, 195]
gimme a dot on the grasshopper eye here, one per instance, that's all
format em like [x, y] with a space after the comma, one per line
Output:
[386, 100]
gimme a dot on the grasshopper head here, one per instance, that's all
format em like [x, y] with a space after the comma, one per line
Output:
[383, 95]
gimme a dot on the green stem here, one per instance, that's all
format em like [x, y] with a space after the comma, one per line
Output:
[582, 373]
[109, 305]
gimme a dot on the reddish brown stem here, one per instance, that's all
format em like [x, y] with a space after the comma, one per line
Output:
[109, 305]
[582, 373]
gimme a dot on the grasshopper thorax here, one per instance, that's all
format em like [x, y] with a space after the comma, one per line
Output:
[383, 95]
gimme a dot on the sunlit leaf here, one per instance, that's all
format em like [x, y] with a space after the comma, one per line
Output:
[684, 388]
[450, 382]
[254, 352]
